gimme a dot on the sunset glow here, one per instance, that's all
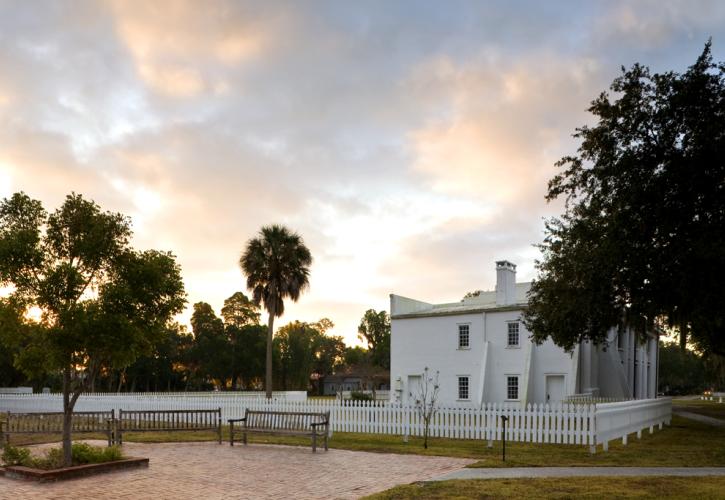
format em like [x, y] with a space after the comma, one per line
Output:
[409, 143]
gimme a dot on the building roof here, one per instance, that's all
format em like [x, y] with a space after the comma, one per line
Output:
[403, 307]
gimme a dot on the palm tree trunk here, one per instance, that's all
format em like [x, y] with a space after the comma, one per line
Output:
[268, 378]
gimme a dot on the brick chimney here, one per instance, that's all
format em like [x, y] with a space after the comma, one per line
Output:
[505, 283]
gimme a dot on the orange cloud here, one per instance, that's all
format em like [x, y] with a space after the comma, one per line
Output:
[503, 126]
[175, 45]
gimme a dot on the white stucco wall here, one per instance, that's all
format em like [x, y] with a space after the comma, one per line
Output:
[432, 341]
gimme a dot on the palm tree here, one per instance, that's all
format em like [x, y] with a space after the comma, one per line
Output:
[277, 266]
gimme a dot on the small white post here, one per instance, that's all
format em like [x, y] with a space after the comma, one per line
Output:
[593, 449]
[660, 425]
[624, 440]
[651, 429]
[605, 446]
[639, 434]
[490, 443]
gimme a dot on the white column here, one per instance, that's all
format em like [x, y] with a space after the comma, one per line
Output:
[585, 366]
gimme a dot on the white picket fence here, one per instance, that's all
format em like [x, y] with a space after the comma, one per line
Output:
[715, 396]
[582, 424]
[618, 420]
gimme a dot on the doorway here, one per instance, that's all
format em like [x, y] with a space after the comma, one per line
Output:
[411, 393]
[555, 389]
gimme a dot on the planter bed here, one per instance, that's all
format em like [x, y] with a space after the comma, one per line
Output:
[40, 475]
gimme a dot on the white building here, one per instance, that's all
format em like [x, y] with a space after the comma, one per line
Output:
[483, 353]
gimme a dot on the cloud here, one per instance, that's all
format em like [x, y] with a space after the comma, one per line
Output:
[409, 143]
[177, 47]
[505, 124]
[651, 24]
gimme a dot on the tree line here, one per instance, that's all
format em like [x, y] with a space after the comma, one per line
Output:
[226, 352]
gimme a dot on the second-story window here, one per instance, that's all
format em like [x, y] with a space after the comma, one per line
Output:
[513, 334]
[464, 337]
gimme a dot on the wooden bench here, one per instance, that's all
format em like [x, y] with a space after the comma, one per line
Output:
[83, 422]
[288, 423]
[168, 421]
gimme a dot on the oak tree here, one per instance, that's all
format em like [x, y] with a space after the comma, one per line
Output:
[102, 303]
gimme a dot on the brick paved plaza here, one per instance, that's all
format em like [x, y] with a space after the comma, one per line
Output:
[211, 471]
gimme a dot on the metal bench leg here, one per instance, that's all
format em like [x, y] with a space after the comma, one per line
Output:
[231, 433]
[314, 441]
[326, 439]
[245, 438]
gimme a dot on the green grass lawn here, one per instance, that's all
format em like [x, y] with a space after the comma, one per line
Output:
[575, 487]
[707, 408]
[684, 443]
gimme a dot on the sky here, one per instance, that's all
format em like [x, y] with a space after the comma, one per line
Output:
[408, 143]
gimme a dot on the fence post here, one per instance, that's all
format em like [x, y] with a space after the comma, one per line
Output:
[592, 412]
[406, 423]
[504, 419]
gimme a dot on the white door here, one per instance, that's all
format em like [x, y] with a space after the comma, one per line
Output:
[555, 392]
[411, 392]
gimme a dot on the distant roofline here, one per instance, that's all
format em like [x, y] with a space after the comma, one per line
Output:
[485, 302]
[461, 311]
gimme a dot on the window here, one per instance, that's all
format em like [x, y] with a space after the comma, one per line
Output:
[463, 387]
[513, 334]
[512, 387]
[464, 338]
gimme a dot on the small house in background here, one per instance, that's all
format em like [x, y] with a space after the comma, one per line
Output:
[483, 353]
[357, 378]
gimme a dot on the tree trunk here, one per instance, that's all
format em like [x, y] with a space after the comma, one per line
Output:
[121, 376]
[268, 378]
[234, 356]
[683, 335]
[67, 419]
[425, 434]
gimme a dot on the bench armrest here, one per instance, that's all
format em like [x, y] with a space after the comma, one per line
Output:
[237, 420]
[315, 424]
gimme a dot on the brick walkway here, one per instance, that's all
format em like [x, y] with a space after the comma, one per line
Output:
[211, 471]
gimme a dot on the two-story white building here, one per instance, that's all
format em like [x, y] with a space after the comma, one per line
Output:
[483, 353]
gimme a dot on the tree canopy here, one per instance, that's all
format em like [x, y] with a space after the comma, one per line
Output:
[102, 303]
[642, 235]
[239, 311]
[375, 330]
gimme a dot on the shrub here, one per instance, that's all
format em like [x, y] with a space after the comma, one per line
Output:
[360, 396]
[53, 460]
[82, 453]
[13, 455]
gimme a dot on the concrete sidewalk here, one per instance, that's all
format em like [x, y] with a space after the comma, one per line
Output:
[699, 418]
[529, 472]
